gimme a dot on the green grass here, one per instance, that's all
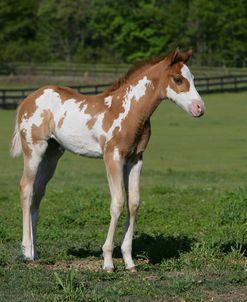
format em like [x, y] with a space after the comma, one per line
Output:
[191, 236]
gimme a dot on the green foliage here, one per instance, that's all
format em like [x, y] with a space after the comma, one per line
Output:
[18, 29]
[217, 29]
[62, 27]
[123, 31]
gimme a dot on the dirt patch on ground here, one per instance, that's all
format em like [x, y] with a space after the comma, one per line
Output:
[94, 265]
[79, 265]
[237, 295]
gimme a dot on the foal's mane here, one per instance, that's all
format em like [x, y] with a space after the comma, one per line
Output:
[138, 66]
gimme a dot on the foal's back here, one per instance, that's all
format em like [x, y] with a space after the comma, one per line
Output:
[73, 120]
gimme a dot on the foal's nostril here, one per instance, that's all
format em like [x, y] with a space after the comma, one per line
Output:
[200, 108]
[197, 108]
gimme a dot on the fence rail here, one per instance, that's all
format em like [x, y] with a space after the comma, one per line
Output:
[9, 98]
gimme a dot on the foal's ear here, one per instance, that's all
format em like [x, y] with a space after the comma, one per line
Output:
[178, 56]
[173, 56]
[185, 56]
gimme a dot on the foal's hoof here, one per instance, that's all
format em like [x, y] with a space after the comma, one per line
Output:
[108, 269]
[28, 255]
[131, 269]
[27, 258]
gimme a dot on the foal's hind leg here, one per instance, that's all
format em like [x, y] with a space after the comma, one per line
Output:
[132, 173]
[38, 170]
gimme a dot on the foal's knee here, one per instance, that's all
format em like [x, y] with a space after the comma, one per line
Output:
[133, 206]
[117, 208]
[25, 187]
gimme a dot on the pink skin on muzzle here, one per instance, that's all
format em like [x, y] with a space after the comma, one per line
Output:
[197, 108]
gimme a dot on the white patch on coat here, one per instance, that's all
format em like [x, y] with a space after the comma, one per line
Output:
[184, 99]
[108, 101]
[49, 100]
[116, 155]
[39, 150]
[74, 134]
[133, 93]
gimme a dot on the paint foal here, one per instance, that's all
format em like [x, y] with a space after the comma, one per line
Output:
[113, 125]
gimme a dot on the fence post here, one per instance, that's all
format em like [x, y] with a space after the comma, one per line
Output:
[235, 83]
[96, 89]
[4, 98]
[221, 83]
[207, 84]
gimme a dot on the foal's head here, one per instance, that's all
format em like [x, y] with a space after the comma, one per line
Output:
[179, 83]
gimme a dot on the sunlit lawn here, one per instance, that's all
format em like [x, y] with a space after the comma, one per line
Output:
[190, 240]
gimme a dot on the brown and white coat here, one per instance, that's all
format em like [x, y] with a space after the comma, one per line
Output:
[113, 125]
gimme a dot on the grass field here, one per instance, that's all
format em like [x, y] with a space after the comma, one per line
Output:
[191, 236]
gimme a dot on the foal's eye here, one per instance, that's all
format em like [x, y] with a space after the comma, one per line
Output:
[178, 80]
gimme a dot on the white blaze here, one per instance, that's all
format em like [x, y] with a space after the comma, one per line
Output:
[184, 99]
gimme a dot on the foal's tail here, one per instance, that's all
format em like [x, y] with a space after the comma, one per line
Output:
[16, 148]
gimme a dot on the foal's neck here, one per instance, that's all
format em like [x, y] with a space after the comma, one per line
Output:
[143, 92]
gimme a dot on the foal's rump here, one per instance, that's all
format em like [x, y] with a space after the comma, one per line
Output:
[33, 123]
[54, 112]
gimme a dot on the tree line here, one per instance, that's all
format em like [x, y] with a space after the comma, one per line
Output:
[120, 31]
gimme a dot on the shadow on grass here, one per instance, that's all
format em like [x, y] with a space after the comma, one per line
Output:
[158, 248]
[234, 245]
[154, 248]
[84, 252]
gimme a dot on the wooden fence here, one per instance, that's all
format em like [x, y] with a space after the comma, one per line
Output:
[9, 98]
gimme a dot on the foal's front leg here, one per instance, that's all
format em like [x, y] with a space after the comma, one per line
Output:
[114, 169]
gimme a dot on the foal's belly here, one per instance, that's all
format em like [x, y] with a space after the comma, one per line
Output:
[80, 144]
[74, 135]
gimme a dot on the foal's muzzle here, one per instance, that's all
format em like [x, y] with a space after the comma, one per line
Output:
[197, 108]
